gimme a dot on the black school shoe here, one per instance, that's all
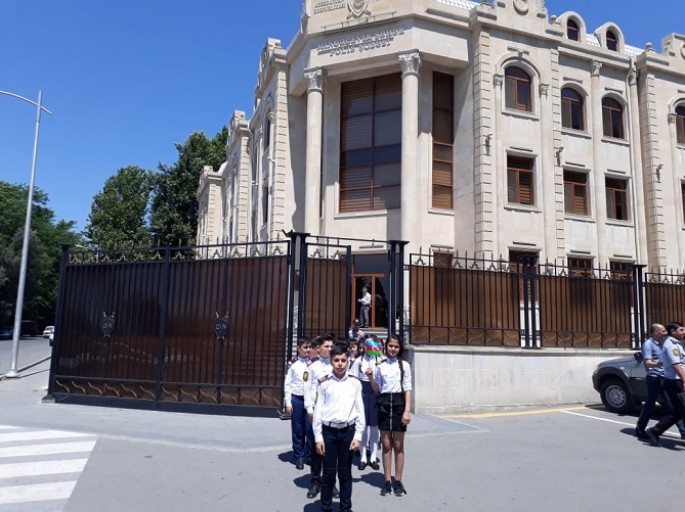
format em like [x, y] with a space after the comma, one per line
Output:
[313, 491]
[387, 489]
[375, 465]
[399, 489]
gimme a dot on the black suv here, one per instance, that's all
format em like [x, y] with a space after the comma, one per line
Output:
[621, 383]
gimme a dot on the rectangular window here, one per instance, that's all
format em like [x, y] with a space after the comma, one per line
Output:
[617, 198]
[443, 140]
[520, 180]
[265, 203]
[371, 144]
[576, 193]
[579, 267]
[621, 269]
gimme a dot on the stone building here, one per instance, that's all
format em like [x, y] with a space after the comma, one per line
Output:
[490, 127]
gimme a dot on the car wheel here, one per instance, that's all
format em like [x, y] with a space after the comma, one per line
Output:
[616, 397]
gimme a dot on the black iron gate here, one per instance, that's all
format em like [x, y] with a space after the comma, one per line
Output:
[206, 329]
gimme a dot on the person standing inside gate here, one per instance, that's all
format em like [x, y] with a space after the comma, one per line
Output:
[338, 427]
[295, 380]
[391, 380]
[365, 308]
[317, 370]
[674, 373]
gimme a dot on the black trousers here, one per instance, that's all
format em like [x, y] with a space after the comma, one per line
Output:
[674, 389]
[338, 459]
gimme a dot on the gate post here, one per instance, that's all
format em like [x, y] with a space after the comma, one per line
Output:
[638, 305]
[396, 302]
[298, 242]
[162, 326]
[64, 259]
[527, 275]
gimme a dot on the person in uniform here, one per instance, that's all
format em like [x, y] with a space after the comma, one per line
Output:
[317, 370]
[391, 379]
[673, 358]
[295, 379]
[651, 358]
[372, 436]
[338, 427]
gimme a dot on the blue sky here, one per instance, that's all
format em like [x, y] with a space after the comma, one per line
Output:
[126, 79]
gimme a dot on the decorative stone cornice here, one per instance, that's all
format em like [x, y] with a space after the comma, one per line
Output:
[544, 90]
[410, 62]
[498, 80]
[315, 79]
[596, 67]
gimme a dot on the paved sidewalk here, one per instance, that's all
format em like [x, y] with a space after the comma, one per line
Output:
[569, 460]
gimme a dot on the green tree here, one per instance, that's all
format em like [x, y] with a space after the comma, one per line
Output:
[118, 214]
[173, 216]
[42, 276]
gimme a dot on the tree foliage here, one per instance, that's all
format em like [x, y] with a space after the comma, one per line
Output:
[46, 235]
[138, 207]
[118, 214]
[174, 209]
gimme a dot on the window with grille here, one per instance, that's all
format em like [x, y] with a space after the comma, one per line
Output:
[517, 89]
[371, 144]
[572, 30]
[617, 198]
[443, 140]
[572, 115]
[520, 180]
[579, 267]
[621, 269]
[612, 118]
[680, 124]
[576, 193]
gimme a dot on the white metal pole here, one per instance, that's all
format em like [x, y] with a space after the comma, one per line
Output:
[12, 372]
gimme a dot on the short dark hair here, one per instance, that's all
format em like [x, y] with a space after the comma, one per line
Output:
[339, 349]
[673, 326]
[301, 341]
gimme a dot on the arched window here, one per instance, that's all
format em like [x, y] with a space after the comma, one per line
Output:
[612, 118]
[517, 89]
[572, 30]
[680, 123]
[572, 110]
[612, 40]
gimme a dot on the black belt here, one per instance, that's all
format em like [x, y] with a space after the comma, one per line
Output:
[301, 397]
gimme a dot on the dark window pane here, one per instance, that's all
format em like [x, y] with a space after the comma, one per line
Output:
[357, 98]
[356, 158]
[386, 198]
[572, 30]
[356, 177]
[387, 174]
[388, 128]
[442, 126]
[355, 200]
[356, 133]
[388, 93]
[388, 154]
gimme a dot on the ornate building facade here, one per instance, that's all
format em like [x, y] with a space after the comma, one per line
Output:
[494, 128]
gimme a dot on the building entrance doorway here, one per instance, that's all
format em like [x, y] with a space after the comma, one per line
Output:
[370, 272]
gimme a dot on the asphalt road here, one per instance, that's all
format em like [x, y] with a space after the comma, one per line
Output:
[568, 460]
[30, 350]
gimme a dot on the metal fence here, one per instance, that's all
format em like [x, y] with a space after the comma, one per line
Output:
[457, 300]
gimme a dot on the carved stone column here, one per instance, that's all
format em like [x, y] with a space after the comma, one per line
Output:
[598, 169]
[638, 181]
[547, 174]
[410, 63]
[312, 197]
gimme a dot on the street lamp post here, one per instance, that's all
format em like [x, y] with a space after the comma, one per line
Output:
[16, 334]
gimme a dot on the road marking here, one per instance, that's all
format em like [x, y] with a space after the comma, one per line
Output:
[33, 471]
[667, 434]
[44, 467]
[47, 449]
[38, 435]
[36, 492]
[513, 413]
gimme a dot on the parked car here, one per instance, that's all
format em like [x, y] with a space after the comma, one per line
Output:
[48, 330]
[6, 332]
[621, 383]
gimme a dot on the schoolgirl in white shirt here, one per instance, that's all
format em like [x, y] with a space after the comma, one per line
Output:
[392, 381]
